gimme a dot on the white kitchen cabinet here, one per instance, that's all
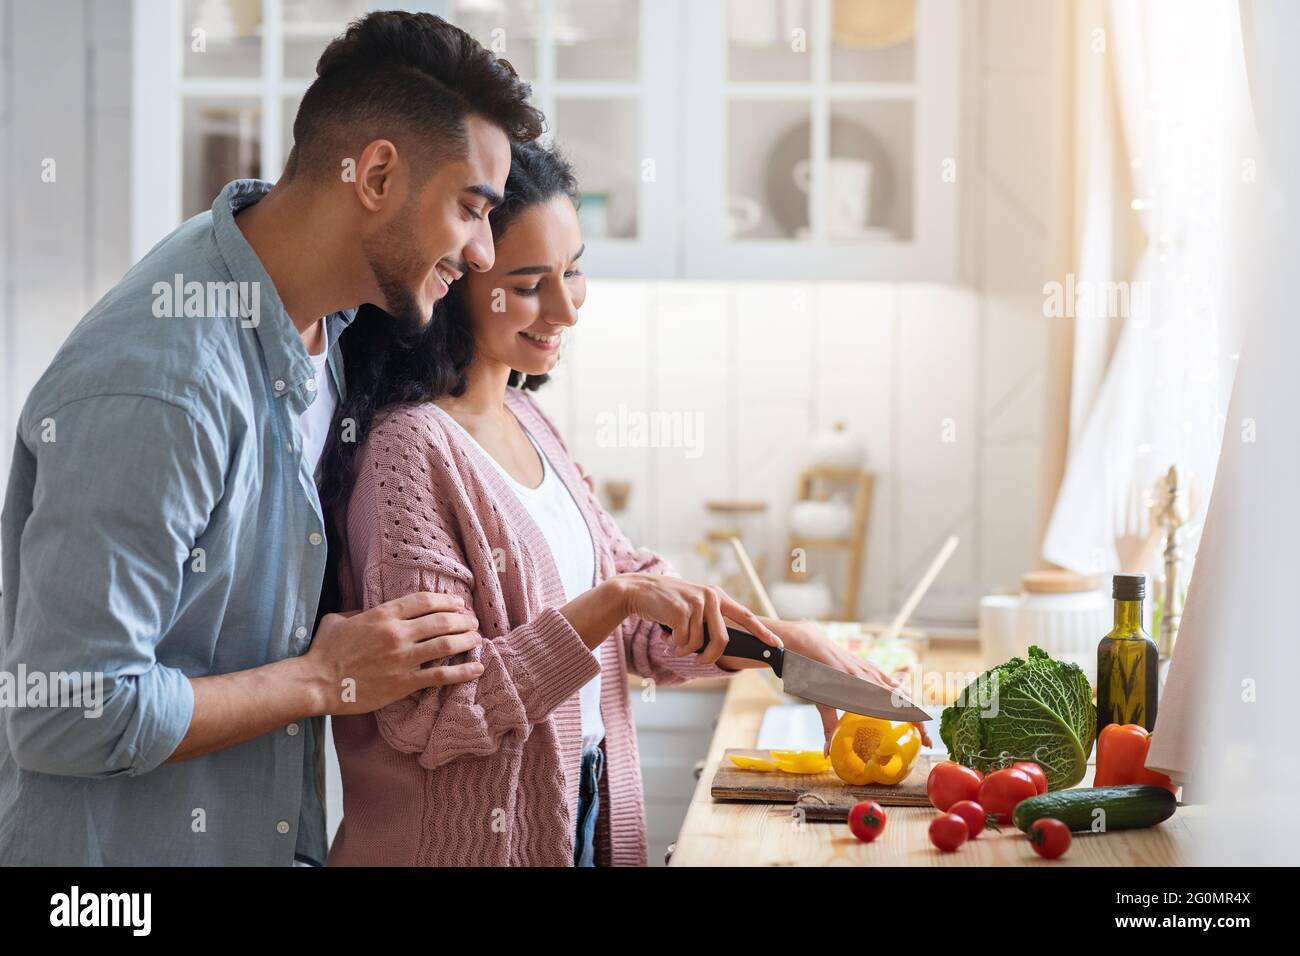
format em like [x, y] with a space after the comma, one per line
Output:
[674, 728]
[719, 139]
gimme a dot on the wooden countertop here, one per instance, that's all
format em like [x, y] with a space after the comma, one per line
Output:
[755, 834]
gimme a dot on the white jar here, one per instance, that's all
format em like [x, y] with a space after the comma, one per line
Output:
[838, 449]
[1066, 615]
[821, 520]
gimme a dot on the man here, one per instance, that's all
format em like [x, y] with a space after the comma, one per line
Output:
[162, 528]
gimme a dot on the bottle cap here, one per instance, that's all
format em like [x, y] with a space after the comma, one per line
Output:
[1129, 587]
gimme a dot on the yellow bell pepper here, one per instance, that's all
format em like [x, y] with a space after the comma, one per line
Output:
[869, 750]
[787, 761]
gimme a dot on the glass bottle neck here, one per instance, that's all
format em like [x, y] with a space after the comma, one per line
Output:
[1128, 616]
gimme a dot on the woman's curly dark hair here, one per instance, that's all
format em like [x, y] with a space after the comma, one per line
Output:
[384, 364]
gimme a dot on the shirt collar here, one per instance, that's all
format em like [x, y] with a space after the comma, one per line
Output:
[286, 356]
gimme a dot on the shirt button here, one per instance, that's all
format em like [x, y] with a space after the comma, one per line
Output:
[315, 538]
[282, 826]
[311, 385]
[300, 633]
[279, 385]
[292, 730]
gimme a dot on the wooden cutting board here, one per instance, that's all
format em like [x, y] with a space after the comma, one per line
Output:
[822, 796]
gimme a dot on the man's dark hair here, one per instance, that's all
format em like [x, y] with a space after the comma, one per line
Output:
[411, 78]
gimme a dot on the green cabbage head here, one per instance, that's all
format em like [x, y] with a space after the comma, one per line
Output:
[1037, 709]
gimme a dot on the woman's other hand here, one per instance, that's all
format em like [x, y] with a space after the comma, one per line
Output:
[807, 639]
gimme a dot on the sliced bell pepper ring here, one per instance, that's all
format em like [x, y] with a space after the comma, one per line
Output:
[787, 761]
[752, 763]
[802, 761]
[1122, 757]
[868, 750]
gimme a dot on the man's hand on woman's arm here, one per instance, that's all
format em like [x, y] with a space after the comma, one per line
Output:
[357, 663]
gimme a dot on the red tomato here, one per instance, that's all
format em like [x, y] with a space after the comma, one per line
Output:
[1003, 789]
[948, 832]
[867, 820]
[976, 817]
[1049, 838]
[951, 782]
[1035, 773]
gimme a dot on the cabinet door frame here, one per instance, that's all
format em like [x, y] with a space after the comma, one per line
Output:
[656, 250]
[931, 253]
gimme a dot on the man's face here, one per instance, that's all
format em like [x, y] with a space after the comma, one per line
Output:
[441, 232]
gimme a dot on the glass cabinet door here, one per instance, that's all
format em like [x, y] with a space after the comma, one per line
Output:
[221, 133]
[607, 106]
[819, 101]
[243, 68]
[509, 28]
[813, 151]
[583, 59]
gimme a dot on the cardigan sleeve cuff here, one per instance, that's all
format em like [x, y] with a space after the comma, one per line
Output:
[554, 663]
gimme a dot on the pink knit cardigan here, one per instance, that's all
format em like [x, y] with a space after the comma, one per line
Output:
[486, 773]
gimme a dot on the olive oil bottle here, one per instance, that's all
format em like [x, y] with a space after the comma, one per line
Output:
[1128, 662]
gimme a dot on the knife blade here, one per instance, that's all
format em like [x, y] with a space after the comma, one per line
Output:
[812, 680]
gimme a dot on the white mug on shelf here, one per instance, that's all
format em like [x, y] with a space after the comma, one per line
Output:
[846, 199]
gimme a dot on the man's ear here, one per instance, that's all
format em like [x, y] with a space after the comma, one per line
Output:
[378, 175]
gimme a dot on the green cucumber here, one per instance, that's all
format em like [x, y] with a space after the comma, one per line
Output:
[1126, 808]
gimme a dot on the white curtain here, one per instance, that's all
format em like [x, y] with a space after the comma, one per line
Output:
[1161, 85]
[1226, 725]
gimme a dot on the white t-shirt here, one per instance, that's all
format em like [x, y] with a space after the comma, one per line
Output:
[315, 419]
[556, 514]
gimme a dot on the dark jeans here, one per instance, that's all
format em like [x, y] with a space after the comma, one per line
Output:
[584, 845]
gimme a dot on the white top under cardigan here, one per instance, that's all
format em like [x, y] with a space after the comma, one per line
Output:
[556, 515]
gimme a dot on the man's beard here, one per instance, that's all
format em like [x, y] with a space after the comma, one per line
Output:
[397, 272]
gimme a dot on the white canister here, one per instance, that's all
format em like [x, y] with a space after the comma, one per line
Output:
[802, 600]
[838, 449]
[1000, 628]
[823, 520]
[1066, 615]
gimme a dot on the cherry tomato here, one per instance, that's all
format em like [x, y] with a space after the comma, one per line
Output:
[1003, 789]
[948, 832]
[1049, 837]
[1035, 773]
[976, 817]
[951, 782]
[867, 820]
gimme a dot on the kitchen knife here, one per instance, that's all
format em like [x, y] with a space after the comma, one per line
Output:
[815, 681]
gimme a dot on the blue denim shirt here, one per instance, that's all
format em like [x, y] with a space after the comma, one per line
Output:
[160, 524]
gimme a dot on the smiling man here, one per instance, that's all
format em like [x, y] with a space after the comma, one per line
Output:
[162, 526]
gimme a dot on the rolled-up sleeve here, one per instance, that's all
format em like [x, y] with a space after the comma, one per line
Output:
[124, 486]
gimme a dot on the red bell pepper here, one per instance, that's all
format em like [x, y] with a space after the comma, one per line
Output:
[1122, 757]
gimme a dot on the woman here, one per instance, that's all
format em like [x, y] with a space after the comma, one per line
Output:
[462, 485]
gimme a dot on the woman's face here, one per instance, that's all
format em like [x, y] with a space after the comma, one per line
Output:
[519, 309]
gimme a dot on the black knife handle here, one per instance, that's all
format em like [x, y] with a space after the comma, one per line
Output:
[743, 644]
